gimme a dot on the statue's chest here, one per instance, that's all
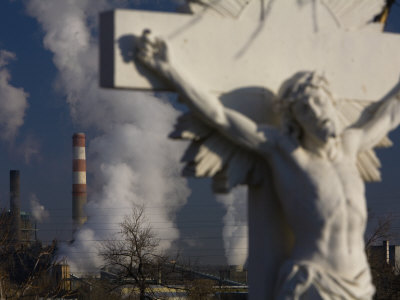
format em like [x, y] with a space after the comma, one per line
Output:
[317, 183]
[325, 174]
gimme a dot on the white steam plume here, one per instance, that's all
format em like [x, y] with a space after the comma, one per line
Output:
[13, 101]
[29, 149]
[131, 158]
[235, 231]
[38, 211]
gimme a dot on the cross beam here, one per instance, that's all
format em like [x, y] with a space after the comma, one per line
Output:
[225, 53]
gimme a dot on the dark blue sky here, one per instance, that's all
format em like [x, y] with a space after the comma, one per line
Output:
[48, 128]
[47, 121]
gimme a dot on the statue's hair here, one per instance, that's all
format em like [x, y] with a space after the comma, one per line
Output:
[348, 112]
[294, 89]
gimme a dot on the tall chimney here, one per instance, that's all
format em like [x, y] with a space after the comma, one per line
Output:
[15, 206]
[78, 179]
[386, 249]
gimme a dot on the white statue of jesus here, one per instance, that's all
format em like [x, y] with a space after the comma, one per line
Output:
[314, 159]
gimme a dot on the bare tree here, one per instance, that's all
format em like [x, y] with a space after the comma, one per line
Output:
[25, 266]
[133, 257]
[382, 231]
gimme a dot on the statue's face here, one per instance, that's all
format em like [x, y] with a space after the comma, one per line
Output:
[316, 114]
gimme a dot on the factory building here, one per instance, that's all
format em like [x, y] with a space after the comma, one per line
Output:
[28, 230]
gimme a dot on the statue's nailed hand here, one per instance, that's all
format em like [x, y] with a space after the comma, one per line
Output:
[153, 52]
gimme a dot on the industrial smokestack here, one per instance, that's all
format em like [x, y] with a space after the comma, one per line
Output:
[386, 249]
[78, 179]
[15, 206]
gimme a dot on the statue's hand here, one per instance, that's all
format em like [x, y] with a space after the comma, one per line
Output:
[153, 52]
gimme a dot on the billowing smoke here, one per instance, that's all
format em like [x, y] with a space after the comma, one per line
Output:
[130, 158]
[38, 211]
[13, 101]
[235, 230]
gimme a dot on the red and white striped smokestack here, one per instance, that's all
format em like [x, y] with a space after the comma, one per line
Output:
[78, 179]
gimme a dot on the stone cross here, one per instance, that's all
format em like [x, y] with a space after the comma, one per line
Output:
[259, 47]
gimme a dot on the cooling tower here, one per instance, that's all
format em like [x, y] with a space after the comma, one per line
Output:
[15, 206]
[78, 179]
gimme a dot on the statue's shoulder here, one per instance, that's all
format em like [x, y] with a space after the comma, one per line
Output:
[276, 140]
[211, 154]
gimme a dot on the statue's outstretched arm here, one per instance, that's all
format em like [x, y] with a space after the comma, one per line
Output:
[377, 121]
[234, 125]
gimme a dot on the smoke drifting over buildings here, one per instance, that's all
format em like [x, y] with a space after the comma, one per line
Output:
[129, 155]
[39, 212]
[130, 158]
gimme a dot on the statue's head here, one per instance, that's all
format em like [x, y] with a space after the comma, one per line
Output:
[308, 106]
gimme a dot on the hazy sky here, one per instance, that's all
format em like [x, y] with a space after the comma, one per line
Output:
[52, 83]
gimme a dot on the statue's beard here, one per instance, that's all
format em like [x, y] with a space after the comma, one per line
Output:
[326, 130]
[323, 131]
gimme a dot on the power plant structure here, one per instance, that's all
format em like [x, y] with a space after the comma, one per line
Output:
[22, 229]
[79, 196]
